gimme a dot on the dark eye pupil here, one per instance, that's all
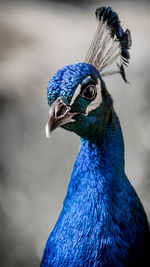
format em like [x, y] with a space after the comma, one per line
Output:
[89, 92]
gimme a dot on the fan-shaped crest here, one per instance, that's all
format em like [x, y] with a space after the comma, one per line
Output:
[110, 43]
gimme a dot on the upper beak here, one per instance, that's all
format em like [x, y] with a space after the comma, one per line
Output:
[59, 115]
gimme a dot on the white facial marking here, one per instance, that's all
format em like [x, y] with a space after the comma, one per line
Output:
[76, 93]
[97, 101]
[50, 111]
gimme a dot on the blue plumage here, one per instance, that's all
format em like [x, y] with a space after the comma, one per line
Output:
[65, 81]
[102, 222]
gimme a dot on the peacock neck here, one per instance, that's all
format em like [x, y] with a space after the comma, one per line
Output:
[100, 160]
[99, 219]
[107, 151]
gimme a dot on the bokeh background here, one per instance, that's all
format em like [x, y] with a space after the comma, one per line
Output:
[36, 39]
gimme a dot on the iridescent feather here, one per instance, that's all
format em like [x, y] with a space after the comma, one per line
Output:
[110, 44]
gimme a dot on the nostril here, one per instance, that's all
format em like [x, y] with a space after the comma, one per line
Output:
[60, 110]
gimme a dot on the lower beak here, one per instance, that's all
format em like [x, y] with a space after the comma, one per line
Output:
[59, 115]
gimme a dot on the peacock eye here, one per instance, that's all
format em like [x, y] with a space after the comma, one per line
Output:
[89, 92]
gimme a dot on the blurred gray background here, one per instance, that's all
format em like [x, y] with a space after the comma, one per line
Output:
[36, 39]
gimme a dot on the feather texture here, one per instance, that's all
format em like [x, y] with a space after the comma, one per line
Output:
[110, 44]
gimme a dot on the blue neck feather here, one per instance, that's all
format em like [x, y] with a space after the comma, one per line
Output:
[102, 217]
[102, 161]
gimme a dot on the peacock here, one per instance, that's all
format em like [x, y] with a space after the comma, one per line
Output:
[102, 222]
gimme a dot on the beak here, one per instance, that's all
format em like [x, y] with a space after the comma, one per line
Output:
[59, 115]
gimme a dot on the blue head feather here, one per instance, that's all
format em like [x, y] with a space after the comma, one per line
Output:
[65, 81]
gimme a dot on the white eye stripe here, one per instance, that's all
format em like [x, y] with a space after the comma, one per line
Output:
[97, 101]
[76, 93]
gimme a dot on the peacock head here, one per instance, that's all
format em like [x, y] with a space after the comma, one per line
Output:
[77, 95]
[78, 100]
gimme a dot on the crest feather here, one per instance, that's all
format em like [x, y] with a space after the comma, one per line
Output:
[110, 44]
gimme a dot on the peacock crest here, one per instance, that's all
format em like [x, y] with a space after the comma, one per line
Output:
[110, 44]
